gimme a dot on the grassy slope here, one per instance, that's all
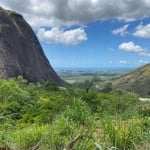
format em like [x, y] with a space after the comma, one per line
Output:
[137, 81]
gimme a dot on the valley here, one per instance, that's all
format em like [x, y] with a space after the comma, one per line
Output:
[72, 75]
[42, 108]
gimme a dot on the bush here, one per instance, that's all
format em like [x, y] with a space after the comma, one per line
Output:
[79, 112]
[51, 87]
[144, 109]
[92, 100]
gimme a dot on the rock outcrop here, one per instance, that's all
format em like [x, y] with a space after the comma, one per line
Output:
[21, 52]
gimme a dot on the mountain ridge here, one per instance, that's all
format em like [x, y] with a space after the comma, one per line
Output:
[137, 80]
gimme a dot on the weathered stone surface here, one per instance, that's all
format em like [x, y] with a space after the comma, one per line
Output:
[21, 52]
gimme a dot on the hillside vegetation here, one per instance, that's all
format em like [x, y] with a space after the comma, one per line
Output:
[137, 81]
[47, 117]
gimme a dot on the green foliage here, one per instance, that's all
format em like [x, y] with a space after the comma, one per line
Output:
[28, 137]
[92, 100]
[86, 85]
[122, 134]
[12, 97]
[51, 87]
[145, 126]
[60, 133]
[144, 109]
[115, 103]
[107, 88]
[10, 91]
[79, 113]
[36, 116]
[5, 138]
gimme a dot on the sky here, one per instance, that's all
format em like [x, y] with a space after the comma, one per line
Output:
[89, 33]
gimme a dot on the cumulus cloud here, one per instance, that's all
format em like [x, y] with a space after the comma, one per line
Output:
[58, 13]
[59, 36]
[121, 31]
[142, 31]
[130, 47]
[70, 12]
[123, 61]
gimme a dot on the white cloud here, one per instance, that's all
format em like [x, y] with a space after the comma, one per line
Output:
[121, 31]
[131, 47]
[58, 13]
[142, 31]
[59, 36]
[146, 54]
[142, 61]
[123, 61]
[70, 12]
[111, 49]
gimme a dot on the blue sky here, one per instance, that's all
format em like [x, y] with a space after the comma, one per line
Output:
[101, 49]
[94, 33]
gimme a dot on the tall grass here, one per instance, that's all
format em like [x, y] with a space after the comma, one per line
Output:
[28, 137]
[123, 134]
[70, 129]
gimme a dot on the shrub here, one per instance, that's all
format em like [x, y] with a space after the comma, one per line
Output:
[92, 100]
[144, 109]
[51, 87]
[79, 112]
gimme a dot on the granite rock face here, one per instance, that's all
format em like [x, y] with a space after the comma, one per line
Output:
[21, 52]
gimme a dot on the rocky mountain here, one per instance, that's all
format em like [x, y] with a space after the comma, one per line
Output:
[21, 52]
[137, 81]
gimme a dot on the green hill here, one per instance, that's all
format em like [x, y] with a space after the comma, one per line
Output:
[137, 81]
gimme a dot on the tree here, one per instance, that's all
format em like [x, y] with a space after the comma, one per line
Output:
[107, 88]
[87, 85]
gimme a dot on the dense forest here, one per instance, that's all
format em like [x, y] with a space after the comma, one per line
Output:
[74, 117]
